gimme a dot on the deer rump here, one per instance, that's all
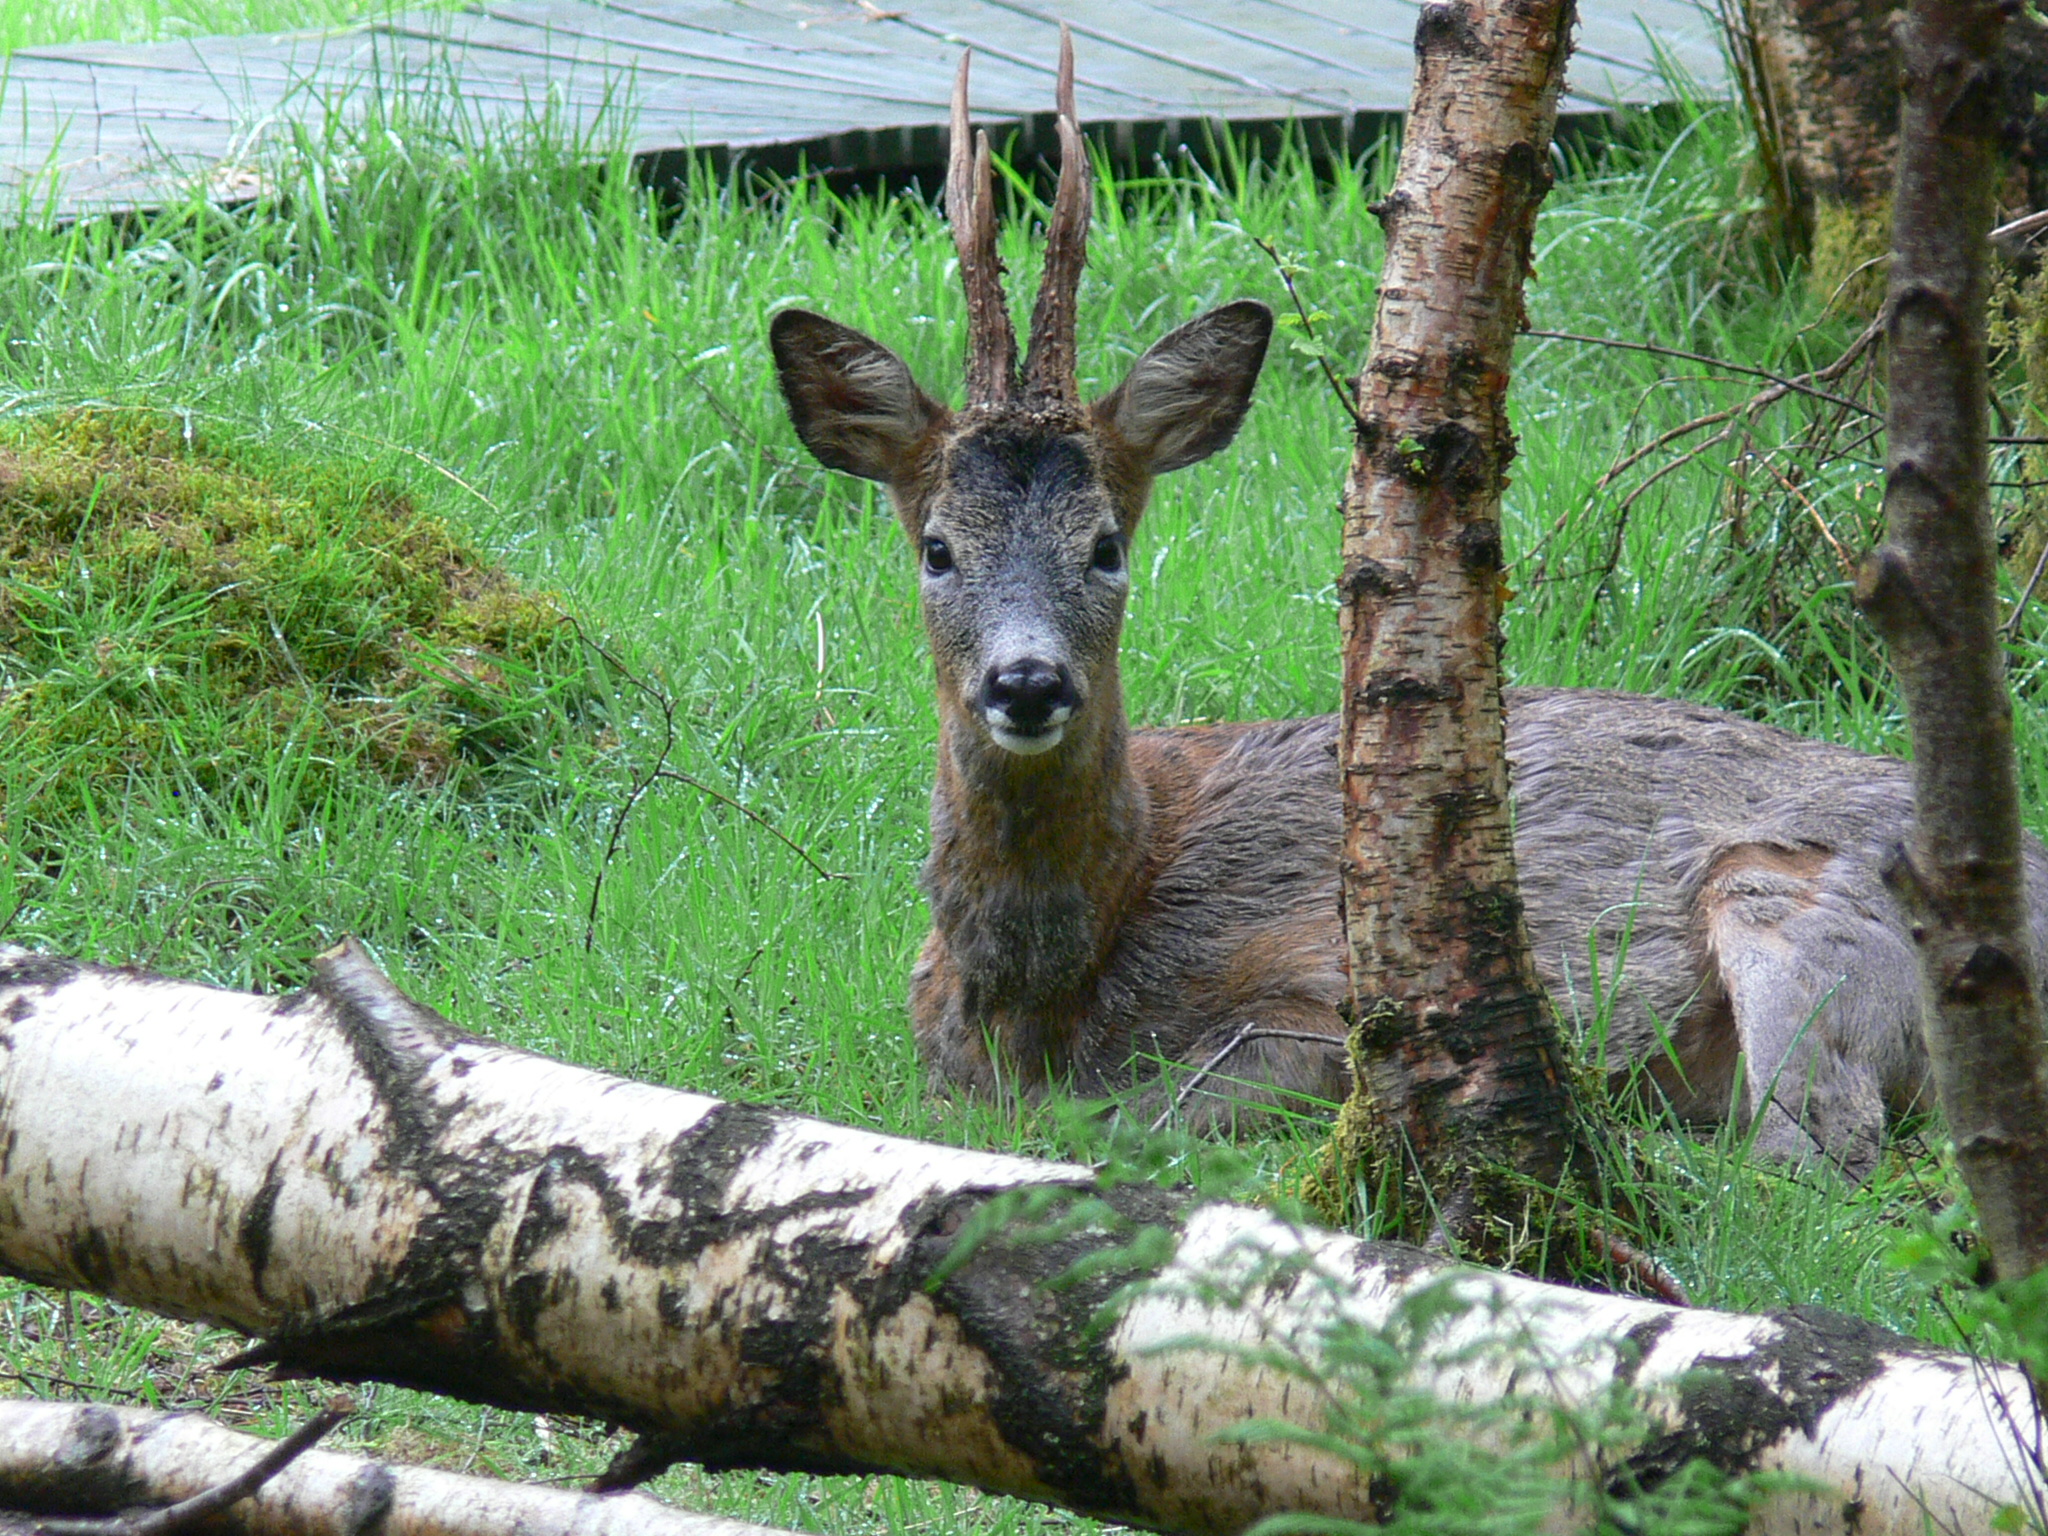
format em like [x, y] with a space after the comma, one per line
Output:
[1704, 895]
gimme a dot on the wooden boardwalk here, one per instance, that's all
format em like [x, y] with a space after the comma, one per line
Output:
[855, 85]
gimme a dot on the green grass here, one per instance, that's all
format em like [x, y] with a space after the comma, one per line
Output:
[52, 23]
[576, 372]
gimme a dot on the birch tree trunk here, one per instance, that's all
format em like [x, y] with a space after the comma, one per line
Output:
[1821, 80]
[82, 1459]
[376, 1194]
[1931, 588]
[1826, 76]
[1456, 1054]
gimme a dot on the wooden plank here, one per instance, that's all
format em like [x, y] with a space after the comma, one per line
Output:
[1165, 38]
[862, 88]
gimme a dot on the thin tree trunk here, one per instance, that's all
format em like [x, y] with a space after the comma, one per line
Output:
[1457, 1056]
[1931, 588]
[378, 1195]
[1827, 74]
[82, 1459]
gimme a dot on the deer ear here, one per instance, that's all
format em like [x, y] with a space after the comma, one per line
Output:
[851, 399]
[1186, 397]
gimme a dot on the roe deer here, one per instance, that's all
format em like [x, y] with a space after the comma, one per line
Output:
[1102, 897]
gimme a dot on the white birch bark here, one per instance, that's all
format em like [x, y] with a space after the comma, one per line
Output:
[84, 1459]
[373, 1194]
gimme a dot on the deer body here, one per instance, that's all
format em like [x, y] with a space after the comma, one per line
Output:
[1727, 875]
[1706, 889]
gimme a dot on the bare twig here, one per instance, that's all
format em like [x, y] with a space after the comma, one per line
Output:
[202, 1507]
[1246, 1032]
[2020, 228]
[642, 782]
[1645, 1269]
[2019, 607]
[50, 1379]
[1842, 556]
[672, 776]
[1308, 327]
[1788, 385]
[660, 772]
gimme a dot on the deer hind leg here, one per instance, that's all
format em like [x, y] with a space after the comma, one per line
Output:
[1822, 995]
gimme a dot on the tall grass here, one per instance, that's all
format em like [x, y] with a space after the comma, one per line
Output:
[576, 368]
[52, 23]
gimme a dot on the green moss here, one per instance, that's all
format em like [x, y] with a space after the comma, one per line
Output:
[1850, 241]
[205, 618]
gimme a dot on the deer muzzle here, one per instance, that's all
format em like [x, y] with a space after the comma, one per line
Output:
[1026, 704]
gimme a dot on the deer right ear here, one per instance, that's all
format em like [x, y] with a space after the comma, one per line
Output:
[1186, 397]
[851, 399]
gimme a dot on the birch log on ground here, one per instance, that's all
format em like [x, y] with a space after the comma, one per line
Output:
[377, 1195]
[1932, 590]
[82, 1459]
[1457, 1058]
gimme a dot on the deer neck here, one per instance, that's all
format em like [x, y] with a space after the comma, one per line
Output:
[1034, 860]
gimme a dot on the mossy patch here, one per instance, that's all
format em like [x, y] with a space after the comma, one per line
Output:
[1850, 241]
[202, 617]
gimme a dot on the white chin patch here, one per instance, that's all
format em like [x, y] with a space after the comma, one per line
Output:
[1027, 746]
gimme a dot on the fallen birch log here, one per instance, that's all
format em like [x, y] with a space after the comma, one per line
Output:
[80, 1459]
[376, 1195]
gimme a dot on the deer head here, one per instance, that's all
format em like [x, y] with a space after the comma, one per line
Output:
[1022, 503]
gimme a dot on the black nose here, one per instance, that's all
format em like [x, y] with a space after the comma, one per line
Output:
[1027, 692]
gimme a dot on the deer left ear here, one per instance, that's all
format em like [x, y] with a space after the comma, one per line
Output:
[1186, 397]
[851, 400]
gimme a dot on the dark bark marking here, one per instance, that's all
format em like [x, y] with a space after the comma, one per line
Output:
[1395, 1262]
[366, 1500]
[1388, 210]
[1479, 546]
[18, 1009]
[22, 969]
[1524, 170]
[1449, 455]
[253, 1231]
[90, 1258]
[84, 1482]
[1634, 1347]
[671, 1304]
[1398, 690]
[1989, 975]
[1027, 1310]
[701, 1165]
[1446, 27]
[1734, 1408]
[394, 1066]
[1369, 578]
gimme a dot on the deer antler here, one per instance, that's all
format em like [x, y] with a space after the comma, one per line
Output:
[971, 210]
[1049, 364]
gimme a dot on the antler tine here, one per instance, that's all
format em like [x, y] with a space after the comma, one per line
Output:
[1051, 361]
[971, 210]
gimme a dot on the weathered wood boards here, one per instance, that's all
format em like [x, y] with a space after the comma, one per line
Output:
[850, 86]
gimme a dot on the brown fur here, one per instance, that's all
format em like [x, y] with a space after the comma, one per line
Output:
[1703, 892]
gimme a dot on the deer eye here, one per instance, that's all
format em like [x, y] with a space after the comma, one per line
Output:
[1109, 554]
[938, 558]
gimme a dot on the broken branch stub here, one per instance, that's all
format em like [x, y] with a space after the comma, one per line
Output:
[377, 1195]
